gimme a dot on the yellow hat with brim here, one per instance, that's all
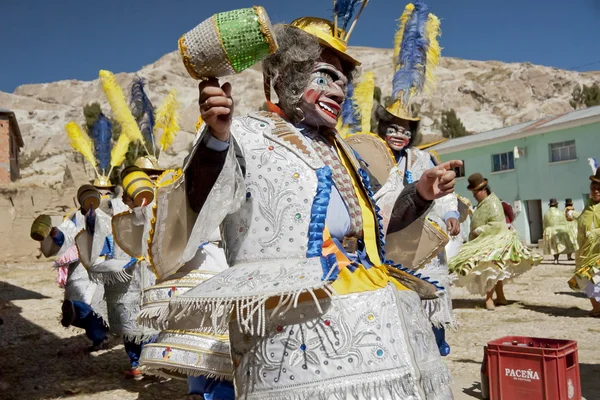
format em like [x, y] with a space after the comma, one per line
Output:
[323, 30]
[103, 182]
[149, 165]
[397, 111]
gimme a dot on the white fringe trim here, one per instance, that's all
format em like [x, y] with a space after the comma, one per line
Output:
[439, 311]
[138, 338]
[435, 384]
[181, 372]
[110, 278]
[251, 313]
[154, 317]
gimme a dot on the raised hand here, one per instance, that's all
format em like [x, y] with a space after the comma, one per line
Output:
[216, 107]
[438, 181]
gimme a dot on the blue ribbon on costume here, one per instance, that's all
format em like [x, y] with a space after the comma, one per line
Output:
[59, 238]
[90, 221]
[409, 177]
[318, 213]
[330, 266]
[108, 249]
[131, 262]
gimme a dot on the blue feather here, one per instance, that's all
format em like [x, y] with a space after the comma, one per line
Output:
[413, 55]
[344, 9]
[143, 111]
[101, 136]
[349, 108]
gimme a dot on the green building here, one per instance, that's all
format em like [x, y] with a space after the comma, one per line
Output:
[530, 163]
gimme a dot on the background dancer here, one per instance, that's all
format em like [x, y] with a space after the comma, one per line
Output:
[494, 254]
[587, 261]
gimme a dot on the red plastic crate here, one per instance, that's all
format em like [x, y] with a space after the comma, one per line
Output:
[533, 369]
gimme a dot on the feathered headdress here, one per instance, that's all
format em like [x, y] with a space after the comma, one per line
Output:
[167, 120]
[363, 98]
[343, 16]
[98, 149]
[118, 104]
[142, 124]
[143, 112]
[347, 122]
[358, 107]
[416, 56]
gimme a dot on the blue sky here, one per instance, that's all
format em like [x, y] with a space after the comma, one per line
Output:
[44, 41]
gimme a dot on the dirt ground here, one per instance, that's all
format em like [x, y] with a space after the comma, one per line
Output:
[42, 360]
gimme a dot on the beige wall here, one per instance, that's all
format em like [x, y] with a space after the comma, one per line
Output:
[4, 150]
[18, 209]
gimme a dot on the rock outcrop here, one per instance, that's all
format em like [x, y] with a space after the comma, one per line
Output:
[485, 95]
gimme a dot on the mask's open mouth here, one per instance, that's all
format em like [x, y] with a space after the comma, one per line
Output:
[329, 109]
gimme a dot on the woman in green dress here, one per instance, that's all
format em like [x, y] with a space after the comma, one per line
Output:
[494, 253]
[571, 215]
[558, 238]
[587, 273]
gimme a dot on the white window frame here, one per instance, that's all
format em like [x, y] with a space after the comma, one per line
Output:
[564, 151]
[509, 155]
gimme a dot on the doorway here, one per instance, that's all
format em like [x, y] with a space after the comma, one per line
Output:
[535, 220]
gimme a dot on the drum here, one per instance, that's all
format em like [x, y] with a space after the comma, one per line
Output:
[41, 227]
[138, 185]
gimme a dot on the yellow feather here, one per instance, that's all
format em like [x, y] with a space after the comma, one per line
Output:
[363, 97]
[408, 10]
[119, 107]
[432, 31]
[119, 151]
[167, 119]
[81, 142]
[342, 130]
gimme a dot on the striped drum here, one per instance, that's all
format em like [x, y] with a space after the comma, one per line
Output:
[138, 185]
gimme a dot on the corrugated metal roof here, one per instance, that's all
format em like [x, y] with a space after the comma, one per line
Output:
[480, 137]
[529, 128]
[575, 115]
[428, 145]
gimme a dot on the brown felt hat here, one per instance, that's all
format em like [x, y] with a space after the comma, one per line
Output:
[476, 182]
[553, 202]
[596, 178]
[569, 203]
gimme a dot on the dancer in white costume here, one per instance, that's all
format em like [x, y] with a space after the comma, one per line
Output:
[399, 127]
[312, 310]
[83, 305]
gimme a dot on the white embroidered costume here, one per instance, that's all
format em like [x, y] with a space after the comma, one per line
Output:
[291, 337]
[410, 168]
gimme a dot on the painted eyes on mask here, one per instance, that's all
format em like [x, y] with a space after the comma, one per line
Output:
[398, 131]
[322, 79]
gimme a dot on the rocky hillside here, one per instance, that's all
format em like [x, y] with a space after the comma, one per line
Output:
[485, 95]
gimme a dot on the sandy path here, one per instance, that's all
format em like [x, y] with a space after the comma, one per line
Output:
[42, 360]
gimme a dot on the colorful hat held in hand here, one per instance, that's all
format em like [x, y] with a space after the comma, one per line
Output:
[227, 43]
